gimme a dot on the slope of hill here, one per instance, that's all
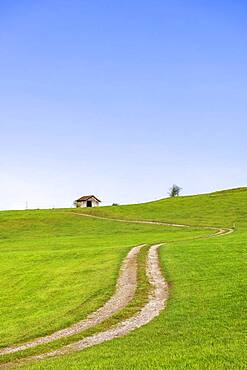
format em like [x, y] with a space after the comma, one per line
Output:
[224, 208]
[56, 267]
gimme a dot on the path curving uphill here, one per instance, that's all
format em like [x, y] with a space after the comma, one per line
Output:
[125, 291]
[218, 231]
[158, 295]
[157, 298]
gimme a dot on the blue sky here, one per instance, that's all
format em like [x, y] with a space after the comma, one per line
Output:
[121, 99]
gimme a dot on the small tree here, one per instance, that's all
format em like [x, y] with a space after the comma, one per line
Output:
[174, 191]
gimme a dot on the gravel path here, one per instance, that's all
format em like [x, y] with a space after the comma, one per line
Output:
[132, 221]
[157, 299]
[125, 291]
[126, 287]
[218, 231]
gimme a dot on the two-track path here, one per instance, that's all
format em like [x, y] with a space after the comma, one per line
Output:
[125, 291]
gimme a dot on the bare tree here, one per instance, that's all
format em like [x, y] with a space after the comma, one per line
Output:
[174, 191]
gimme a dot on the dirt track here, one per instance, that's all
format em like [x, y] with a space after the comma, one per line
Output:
[125, 291]
[158, 295]
[156, 302]
[126, 287]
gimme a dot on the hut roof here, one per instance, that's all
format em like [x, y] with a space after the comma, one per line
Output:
[87, 197]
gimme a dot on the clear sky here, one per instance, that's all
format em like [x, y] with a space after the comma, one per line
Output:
[121, 99]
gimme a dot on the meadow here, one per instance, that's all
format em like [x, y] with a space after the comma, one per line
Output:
[56, 267]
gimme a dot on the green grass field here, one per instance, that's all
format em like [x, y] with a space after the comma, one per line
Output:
[56, 267]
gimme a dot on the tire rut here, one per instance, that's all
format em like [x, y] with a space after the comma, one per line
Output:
[125, 291]
[158, 295]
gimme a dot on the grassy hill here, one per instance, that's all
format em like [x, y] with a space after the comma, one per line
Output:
[224, 208]
[56, 267]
